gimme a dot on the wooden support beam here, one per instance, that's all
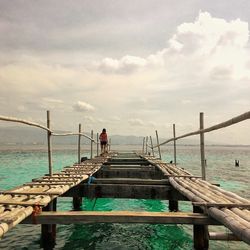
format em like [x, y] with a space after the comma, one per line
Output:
[77, 202]
[200, 234]
[79, 217]
[173, 205]
[129, 173]
[135, 181]
[127, 169]
[127, 162]
[48, 230]
[124, 191]
[128, 166]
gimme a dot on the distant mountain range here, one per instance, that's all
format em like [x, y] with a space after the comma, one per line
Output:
[30, 135]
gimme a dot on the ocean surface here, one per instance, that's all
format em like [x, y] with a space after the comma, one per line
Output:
[19, 164]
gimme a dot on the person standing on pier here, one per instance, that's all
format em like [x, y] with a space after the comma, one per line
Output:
[103, 141]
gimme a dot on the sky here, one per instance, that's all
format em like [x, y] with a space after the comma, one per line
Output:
[129, 66]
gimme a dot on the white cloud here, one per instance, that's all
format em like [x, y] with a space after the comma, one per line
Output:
[207, 33]
[207, 47]
[127, 64]
[83, 106]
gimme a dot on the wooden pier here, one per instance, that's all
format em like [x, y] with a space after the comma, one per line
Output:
[126, 175]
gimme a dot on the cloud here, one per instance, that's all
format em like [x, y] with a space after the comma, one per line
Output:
[83, 106]
[209, 46]
[127, 64]
[135, 122]
[207, 33]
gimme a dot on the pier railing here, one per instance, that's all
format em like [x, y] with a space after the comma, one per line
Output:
[201, 132]
[51, 133]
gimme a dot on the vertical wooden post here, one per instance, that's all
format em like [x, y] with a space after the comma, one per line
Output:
[159, 148]
[200, 233]
[146, 145]
[202, 148]
[173, 204]
[91, 145]
[174, 144]
[143, 145]
[153, 153]
[97, 144]
[109, 146]
[79, 144]
[77, 202]
[49, 144]
[48, 231]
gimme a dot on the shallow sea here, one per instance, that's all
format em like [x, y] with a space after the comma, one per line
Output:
[19, 164]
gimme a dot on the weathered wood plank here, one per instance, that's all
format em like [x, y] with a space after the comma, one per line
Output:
[121, 217]
[137, 181]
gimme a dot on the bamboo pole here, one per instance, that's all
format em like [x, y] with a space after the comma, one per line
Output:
[49, 144]
[12, 119]
[227, 123]
[202, 147]
[143, 145]
[69, 134]
[109, 146]
[159, 148]
[79, 144]
[174, 144]
[97, 144]
[153, 153]
[91, 145]
[146, 145]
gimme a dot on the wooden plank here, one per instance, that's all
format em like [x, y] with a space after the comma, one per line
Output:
[79, 217]
[124, 191]
[131, 181]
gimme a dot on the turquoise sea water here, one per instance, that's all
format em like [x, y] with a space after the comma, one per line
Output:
[19, 164]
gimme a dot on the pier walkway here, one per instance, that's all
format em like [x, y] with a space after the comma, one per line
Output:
[126, 175]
